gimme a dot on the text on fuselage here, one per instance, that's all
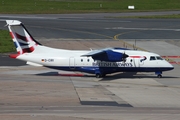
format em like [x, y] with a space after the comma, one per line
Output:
[112, 64]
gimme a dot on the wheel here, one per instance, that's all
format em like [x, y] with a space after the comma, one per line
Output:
[159, 76]
[98, 75]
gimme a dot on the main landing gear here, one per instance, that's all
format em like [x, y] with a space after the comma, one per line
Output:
[159, 74]
[98, 75]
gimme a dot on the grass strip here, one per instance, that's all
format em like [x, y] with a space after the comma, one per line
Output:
[6, 43]
[84, 6]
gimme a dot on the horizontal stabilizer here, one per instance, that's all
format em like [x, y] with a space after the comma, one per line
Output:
[33, 64]
[13, 22]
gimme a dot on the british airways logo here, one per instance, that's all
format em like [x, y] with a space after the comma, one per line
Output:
[112, 64]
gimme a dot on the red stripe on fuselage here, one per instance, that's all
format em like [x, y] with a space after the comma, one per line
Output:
[137, 56]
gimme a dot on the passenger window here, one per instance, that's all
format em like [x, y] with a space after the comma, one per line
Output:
[81, 60]
[88, 60]
[152, 58]
[159, 58]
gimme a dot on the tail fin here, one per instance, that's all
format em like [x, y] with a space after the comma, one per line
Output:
[22, 39]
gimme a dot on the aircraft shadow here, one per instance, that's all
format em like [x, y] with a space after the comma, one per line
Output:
[48, 74]
[130, 75]
[65, 74]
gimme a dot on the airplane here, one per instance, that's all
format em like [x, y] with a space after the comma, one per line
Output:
[99, 62]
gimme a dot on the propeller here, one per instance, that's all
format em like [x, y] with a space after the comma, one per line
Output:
[124, 57]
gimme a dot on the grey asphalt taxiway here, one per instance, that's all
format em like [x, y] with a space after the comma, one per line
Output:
[39, 93]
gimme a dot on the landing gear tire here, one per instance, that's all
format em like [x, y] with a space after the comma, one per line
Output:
[159, 76]
[98, 75]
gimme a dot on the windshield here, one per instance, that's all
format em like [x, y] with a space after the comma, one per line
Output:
[159, 58]
[156, 58]
[152, 58]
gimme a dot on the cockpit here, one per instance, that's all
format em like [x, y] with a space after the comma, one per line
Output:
[155, 58]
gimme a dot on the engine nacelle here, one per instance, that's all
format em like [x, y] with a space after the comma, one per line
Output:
[110, 56]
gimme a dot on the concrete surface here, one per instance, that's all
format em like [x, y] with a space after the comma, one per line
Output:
[39, 93]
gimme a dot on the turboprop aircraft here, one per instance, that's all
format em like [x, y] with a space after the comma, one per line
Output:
[98, 62]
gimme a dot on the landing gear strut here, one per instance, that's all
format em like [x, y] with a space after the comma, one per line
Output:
[159, 74]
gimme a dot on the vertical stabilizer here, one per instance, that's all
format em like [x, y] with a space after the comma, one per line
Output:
[22, 39]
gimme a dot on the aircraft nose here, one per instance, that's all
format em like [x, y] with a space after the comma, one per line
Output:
[170, 66]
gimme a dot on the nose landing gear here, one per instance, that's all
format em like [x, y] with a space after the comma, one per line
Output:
[159, 74]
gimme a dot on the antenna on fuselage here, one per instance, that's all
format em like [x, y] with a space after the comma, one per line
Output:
[134, 45]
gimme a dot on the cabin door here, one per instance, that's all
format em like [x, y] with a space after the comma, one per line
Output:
[141, 62]
[72, 62]
[136, 62]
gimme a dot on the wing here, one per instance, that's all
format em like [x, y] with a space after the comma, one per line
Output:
[107, 55]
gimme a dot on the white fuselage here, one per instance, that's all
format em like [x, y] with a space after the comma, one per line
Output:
[138, 61]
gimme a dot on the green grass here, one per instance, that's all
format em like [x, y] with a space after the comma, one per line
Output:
[84, 6]
[6, 43]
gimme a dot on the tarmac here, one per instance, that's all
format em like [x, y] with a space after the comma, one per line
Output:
[39, 93]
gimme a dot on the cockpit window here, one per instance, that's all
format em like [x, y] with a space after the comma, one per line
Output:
[156, 58]
[159, 58]
[152, 58]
